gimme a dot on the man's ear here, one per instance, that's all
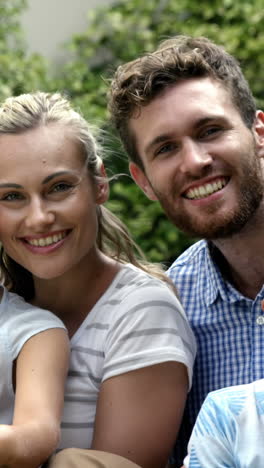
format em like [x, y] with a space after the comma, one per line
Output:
[102, 187]
[259, 132]
[142, 181]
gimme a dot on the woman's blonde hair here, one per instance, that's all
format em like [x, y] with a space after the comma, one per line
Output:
[29, 111]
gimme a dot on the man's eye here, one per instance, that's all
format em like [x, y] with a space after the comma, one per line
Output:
[12, 196]
[166, 148]
[210, 132]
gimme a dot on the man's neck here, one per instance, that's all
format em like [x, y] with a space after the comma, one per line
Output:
[244, 253]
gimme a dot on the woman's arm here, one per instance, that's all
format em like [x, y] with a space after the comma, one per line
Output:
[139, 413]
[148, 357]
[40, 374]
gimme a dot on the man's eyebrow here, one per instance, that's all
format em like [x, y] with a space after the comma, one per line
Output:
[157, 140]
[56, 174]
[11, 185]
[206, 120]
[196, 125]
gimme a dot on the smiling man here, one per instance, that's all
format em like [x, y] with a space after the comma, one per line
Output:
[188, 121]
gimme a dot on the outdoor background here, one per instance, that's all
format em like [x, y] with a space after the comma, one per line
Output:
[101, 34]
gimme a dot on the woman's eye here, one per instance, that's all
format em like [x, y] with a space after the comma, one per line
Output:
[61, 187]
[13, 196]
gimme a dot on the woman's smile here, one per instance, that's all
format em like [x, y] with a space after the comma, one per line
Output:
[37, 202]
[45, 244]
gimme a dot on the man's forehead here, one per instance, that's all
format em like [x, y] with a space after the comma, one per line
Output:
[190, 90]
[204, 94]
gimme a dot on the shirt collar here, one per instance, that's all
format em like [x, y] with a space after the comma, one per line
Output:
[217, 285]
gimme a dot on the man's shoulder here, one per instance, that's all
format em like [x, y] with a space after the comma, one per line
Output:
[193, 257]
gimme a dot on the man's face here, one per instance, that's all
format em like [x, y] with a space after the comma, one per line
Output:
[200, 160]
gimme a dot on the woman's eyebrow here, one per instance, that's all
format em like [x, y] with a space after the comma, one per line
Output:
[56, 174]
[45, 181]
[11, 185]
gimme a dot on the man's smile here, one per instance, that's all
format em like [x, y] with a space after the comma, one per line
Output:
[204, 190]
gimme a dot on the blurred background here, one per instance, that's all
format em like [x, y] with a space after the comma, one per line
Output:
[74, 46]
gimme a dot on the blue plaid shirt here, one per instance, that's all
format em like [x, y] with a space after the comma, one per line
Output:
[229, 330]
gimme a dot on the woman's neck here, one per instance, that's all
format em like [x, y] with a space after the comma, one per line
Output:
[72, 295]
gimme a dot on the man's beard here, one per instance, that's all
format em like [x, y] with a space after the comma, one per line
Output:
[250, 194]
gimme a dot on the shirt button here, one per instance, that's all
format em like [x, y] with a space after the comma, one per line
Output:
[260, 320]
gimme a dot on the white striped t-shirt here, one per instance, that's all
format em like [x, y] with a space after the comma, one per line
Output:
[137, 322]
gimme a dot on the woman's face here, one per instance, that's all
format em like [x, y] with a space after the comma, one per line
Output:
[48, 221]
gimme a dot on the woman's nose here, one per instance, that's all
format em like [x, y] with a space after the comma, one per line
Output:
[39, 215]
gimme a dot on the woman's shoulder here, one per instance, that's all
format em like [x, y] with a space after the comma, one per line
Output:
[133, 289]
[132, 279]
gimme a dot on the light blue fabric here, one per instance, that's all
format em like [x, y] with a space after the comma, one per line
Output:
[228, 331]
[229, 431]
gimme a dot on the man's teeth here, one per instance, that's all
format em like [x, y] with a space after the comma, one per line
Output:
[45, 241]
[205, 190]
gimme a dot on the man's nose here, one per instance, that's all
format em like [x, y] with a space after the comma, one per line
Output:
[195, 157]
[39, 215]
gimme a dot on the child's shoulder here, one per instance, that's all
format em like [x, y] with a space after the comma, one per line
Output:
[15, 310]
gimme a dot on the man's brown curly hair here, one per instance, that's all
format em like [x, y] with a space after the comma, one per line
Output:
[135, 84]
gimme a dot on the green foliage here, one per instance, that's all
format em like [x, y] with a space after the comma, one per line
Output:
[19, 72]
[120, 32]
[146, 221]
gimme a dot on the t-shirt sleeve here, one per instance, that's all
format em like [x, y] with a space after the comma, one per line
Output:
[25, 321]
[210, 444]
[150, 327]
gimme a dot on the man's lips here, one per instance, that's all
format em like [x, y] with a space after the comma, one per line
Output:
[206, 189]
[44, 241]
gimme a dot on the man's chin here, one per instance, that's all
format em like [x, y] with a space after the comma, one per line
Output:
[213, 231]
[210, 230]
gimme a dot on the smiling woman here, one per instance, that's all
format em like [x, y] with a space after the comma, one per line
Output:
[52, 212]
[63, 250]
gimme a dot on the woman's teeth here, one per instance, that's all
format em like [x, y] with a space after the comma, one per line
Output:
[45, 241]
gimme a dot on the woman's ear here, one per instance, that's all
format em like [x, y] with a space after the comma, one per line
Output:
[142, 181]
[102, 187]
[259, 132]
